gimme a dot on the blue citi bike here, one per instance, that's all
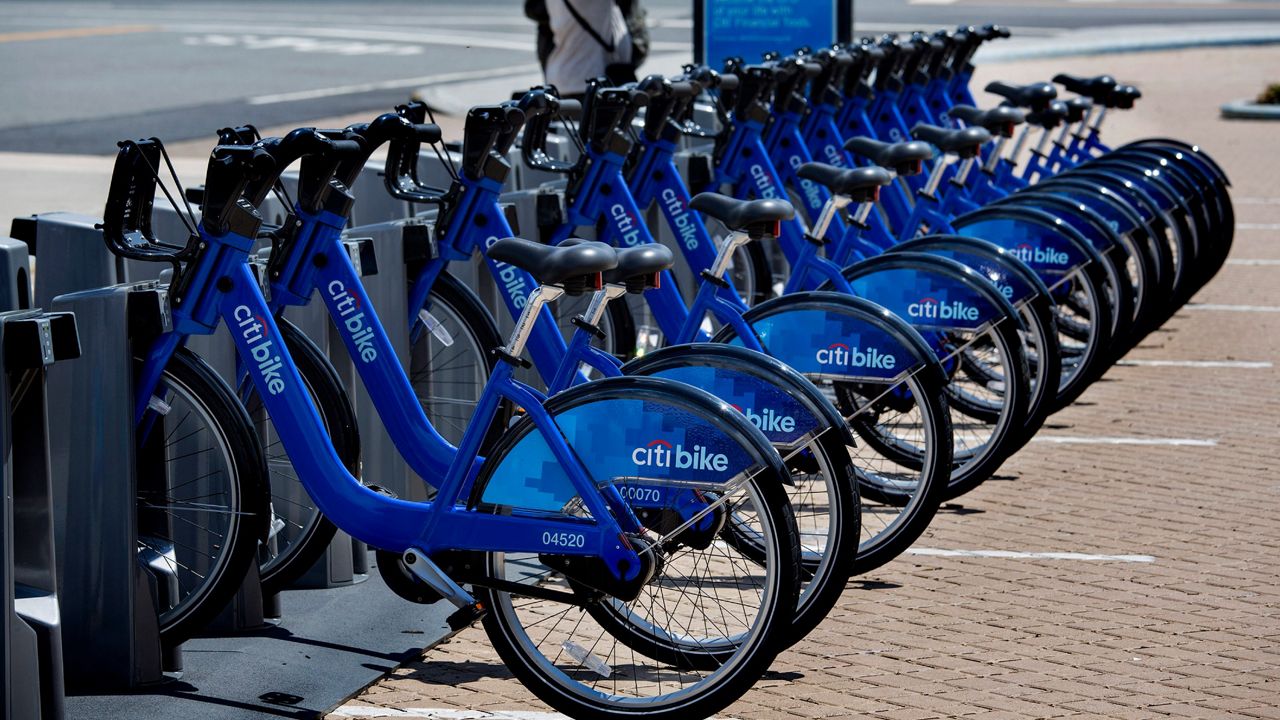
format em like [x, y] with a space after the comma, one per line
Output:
[900, 470]
[599, 613]
[794, 415]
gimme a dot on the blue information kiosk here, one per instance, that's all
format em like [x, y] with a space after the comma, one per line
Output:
[750, 28]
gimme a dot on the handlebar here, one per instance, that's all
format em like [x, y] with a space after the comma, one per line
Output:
[323, 154]
[540, 107]
[401, 169]
[488, 134]
[126, 224]
[667, 99]
[607, 114]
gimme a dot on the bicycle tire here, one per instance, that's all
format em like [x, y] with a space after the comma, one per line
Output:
[832, 521]
[187, 379]
[461, 316]
[904, 487]
[738, 665]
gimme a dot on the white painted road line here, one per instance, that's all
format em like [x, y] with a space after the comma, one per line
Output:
[1257, 226]
[1074, 440]
[1259, 262]
[1238, 364]
[1232, 308]
[1009, 554]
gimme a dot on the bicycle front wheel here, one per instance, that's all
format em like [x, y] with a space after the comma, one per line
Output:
[202, 495]
[710, 618]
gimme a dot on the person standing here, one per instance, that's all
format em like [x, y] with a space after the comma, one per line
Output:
[583, 39]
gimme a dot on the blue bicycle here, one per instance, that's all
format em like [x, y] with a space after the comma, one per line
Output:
[900, 468]
[598, 612]
[793, 414]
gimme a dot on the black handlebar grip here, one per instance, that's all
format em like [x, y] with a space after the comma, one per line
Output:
[728, 81]
[571, 109]
[683, 89]
[429, 133]
[344, 148]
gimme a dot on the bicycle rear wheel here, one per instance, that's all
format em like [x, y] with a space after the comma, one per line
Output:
[202, 495]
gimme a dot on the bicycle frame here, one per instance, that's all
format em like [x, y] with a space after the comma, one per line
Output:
[223, 288]
[318, 260]
[605, 193]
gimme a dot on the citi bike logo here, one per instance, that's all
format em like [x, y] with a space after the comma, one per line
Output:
[834, 156]
[662, 454]
[931, 309]
[512, 280]
[812, 195]
[768, 420]
[628, 226]
[764, 183]
[1045, 256]
[680, 219]
[261, 348]
[841, 355]
[353, 321]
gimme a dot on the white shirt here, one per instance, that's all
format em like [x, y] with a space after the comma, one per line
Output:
[577, 57]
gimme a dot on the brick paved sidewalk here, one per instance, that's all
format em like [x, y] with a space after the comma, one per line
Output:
[1192, 632]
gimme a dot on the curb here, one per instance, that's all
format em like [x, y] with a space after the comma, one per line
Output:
[1250, 110]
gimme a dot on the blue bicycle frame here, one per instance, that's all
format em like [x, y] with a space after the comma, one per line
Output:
[625, 227]
[223, 287]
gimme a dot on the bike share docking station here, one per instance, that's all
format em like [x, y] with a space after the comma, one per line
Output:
[31, 341]
[108, 591]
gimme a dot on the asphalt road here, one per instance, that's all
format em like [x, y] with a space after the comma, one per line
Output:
[79, 76]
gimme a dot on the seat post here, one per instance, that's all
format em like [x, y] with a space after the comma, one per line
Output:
[1044, 140]
[735, 241]
[529, 317]
[1019, 145]
[864, 210]
[1080, 133]
[1097, 122]
[834, 204]
[994, 156]
[1061, 140]
[962, 173]
[935, 177]
[600, 300]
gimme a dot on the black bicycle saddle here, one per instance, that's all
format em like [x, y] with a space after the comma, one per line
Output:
[554, 264]
[755, 217]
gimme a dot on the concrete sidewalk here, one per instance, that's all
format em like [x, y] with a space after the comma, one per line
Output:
[1161, 481]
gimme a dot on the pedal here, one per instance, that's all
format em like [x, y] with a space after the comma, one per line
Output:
[465, 616]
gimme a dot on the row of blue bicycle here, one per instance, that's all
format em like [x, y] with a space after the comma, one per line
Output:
[887, 290]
